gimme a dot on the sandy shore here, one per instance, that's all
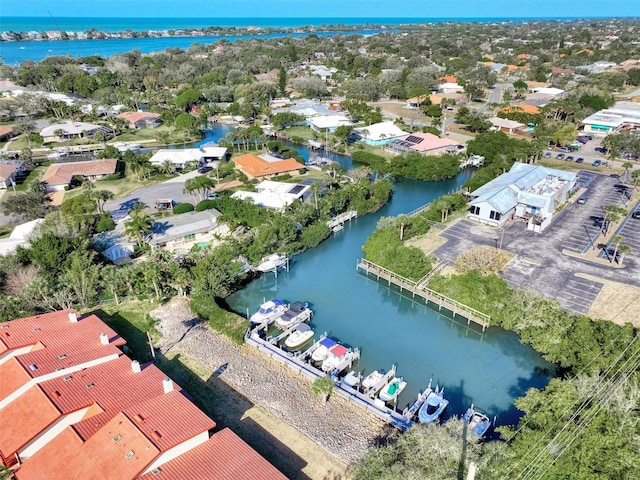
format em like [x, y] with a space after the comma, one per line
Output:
[295, 430]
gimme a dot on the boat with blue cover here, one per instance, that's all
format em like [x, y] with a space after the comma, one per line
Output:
[477, 423]
[433, 406]
[319, 354]
[268, 311]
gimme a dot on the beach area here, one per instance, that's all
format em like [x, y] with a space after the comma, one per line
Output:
[267, 404]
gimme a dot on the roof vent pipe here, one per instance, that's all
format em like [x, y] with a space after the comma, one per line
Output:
[73, 316]
[167, 385]
[104, 339]
[135, 366]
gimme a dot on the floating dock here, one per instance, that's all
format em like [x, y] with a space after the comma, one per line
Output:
[419, 289]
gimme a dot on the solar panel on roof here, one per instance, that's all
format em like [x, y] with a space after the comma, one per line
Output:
[296, 189]
[414, 139]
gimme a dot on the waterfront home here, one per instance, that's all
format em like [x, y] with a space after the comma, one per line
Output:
[424, 143]
[275, 195]
[180, 233]
[181, 157]
[328, 123]
[141, 119]
[59, 175]
[266, 166]
[378, 133]
[70, 130]
[505, 125]
[529, 192]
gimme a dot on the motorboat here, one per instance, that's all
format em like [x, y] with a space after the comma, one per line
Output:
[337, 228]
[301, 335]
[372, 379]
[433, 406]
[125, 146]
[352, 379]
[271, 263]
[477, 423]
[324, 347]
[391, 390]
[269, 310]
[337, 354]
[297, 312]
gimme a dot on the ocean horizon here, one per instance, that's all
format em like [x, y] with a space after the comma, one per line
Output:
[119, 24]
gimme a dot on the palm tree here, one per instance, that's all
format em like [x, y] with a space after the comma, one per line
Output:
[616, 240]
[139, 224]
[167, 167]
[635, 175]
[138, 165]
[626, 166]
[624, 248]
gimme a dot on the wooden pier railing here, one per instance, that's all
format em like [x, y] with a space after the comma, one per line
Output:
[419, 289]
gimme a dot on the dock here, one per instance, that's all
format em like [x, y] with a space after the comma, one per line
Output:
[421, 290]
[342, 219]
[410, 412]
[297, 362]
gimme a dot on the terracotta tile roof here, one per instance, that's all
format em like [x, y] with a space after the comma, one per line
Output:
[254, 166]
[24, 420]
[5, 130]
[51, 342]
[169, 419]
[99, 458]
[523, 107]
[62, 173]
[225, 456]
[448, 79]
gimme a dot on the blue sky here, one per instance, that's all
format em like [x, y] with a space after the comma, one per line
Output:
[323, 8]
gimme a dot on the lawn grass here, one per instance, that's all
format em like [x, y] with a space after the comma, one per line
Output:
[33, 175]
[573, 166]
[303, 132]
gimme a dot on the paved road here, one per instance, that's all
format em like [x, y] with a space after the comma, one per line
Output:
[171, 188]
[540, 264]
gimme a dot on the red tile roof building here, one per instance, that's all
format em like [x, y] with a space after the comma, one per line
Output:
[266, 166]
[73, 406]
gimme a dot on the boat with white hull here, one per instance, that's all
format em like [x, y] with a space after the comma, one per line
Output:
[268, 311]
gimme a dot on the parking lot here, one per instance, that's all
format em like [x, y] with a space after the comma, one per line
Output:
[629, 230]
[540, 264]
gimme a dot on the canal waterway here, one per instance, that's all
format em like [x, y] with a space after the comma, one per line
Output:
[489, 369]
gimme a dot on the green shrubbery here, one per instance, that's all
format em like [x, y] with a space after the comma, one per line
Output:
[183, 208]
[205, 205]
[412, 165]
[221, 320]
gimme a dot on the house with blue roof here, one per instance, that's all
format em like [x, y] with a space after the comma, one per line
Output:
[531, 193]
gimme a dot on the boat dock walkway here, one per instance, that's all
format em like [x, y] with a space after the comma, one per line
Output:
[298, 363]
[342, 218]
[419, 289]
[422, 397]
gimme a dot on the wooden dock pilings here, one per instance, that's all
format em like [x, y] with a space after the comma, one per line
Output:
[419, 289]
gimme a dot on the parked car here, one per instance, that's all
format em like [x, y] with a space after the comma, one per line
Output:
[569, 158]
[213, 195]
[597, 163]
[582, 200]
[636, 214]
[579, 160]
[547, 155]
[560, 156]
[205, 169]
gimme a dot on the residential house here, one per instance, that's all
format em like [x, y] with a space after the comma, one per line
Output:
[529, 192]
[414, 103]
[378, 133]
[141, 119]
[181, 157]
[450, 87]
[328, 123]
[8, 174]
[622, 116]
[19, 236]
[59, 175]
[505, 125]
[424, 143]
[275, 195]
[266, 166]
[60, 132]
[180, 233]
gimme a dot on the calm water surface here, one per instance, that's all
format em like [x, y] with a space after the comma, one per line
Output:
[490, 369]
